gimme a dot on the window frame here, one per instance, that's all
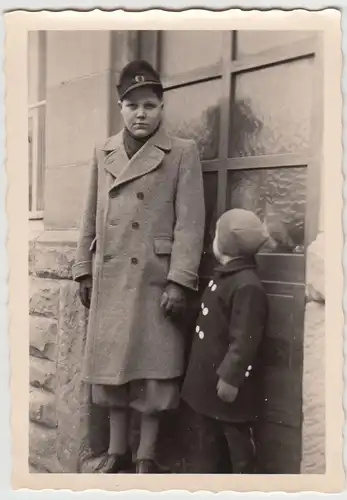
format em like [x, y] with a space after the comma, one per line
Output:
[34, 113]
[226, 70]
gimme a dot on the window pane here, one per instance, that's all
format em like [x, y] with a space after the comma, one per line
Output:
[30, 154]
[33, 73]
[210, 190]
[253, 42]
[271, 110]
[182, 51]
[278, 197]
[40, 159]
[193, 112]
[36, 66]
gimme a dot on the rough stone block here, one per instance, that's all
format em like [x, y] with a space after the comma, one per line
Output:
[54, 260]
[315, 282]
[42, 373]
[34, 469]
[42, 448]
[43, 337]
[313, 429]
[42, 407]
[80, 425]
[44, 297]
[31, 257]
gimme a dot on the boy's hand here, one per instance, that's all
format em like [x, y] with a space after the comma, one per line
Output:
[173, 300]
[85, 291]
[226, 392]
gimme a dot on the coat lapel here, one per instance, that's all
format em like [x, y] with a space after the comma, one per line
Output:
[147, 159]
[116, 158]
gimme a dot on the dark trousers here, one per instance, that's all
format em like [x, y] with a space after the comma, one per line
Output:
[220, 447]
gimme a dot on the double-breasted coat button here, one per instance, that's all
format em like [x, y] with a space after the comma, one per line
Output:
[249, 368]
[210, 283]
[140, 196]
[247, 374]
[201, 335]
[134, 260]
[197, 329]
[214, 287]
[202, 305]
[205, 311]
[135, 225]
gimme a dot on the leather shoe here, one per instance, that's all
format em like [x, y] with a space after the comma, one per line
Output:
[121, 463]
[147, 466]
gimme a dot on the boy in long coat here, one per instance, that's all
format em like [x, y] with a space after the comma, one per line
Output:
[139, 251]
[221, 380]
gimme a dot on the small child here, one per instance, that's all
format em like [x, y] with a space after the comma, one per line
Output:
[220, 381]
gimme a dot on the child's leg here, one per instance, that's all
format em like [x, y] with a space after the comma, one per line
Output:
[203, 446]
[241, 447]
[119, 431]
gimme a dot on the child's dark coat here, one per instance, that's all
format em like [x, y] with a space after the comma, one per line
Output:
[229, 329]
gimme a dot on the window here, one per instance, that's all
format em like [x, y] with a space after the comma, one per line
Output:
[36, 121]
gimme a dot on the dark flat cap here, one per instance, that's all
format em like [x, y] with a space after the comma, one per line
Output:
[137, 74]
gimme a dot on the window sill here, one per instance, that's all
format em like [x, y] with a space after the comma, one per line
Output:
[36, 215]
[36, 227]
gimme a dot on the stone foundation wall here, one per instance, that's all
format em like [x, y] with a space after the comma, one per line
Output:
[50, 258]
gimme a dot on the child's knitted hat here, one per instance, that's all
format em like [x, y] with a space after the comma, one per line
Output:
[240, 232]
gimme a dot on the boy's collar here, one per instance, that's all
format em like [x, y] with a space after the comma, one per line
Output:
[237, 264]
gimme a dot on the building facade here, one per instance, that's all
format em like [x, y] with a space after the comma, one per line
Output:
[253, 101]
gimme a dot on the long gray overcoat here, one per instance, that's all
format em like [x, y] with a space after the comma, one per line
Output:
[143, 225]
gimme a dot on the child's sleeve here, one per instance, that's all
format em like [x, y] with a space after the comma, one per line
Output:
[247, 323]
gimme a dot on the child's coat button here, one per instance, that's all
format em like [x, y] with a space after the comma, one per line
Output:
[210, 283]
[201, 335]
[247, 374]
[202, 305]
[205, 311]
[249, 368]
[214, 287]
[197, 329]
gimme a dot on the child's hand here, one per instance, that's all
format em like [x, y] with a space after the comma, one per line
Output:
[226, 392]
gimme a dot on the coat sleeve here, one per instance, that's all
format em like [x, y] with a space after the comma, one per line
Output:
[190, 221]
[83, 262]
[247, 324]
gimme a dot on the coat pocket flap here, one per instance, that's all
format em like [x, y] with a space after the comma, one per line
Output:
[163, 246]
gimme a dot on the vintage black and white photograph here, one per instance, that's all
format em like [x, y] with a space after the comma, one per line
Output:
[176, 251]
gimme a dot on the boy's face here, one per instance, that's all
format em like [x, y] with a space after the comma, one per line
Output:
[142, 111]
